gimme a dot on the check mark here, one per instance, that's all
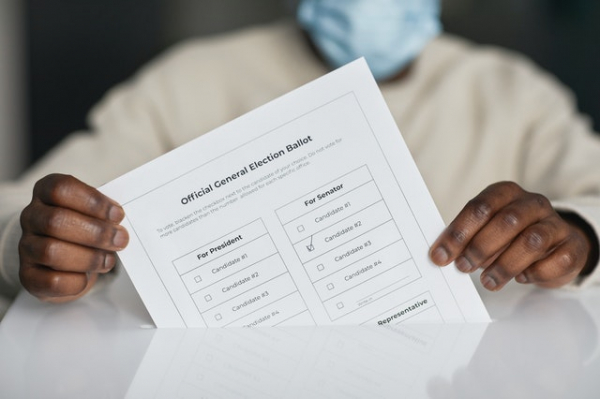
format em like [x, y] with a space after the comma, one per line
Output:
[310, 246]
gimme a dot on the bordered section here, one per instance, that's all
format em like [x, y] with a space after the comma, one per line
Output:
[237, 275]
[348, 243]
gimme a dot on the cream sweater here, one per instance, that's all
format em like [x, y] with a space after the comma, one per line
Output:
[471, 116]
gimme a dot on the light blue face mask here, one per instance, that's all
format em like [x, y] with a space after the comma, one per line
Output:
[390, 34]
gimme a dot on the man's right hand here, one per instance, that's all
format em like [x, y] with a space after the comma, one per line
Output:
[71, 233]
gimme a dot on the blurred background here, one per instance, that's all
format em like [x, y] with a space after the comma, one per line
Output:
[58, 57]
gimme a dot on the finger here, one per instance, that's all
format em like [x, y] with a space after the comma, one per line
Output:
[466, 266]
[92, 278]
[49, 284]
[532, 245]
[68, 192]
[65, 256]
[557, 269]
[506, 225]
[67, 225]
[476, 214]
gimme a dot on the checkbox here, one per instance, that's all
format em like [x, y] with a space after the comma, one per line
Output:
[208, 298]
[218, 316]
[330, 286]
[300, 229]
[197, 279]
[340, 305]
[320, 267]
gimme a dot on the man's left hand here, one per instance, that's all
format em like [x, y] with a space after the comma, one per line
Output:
[511, 233]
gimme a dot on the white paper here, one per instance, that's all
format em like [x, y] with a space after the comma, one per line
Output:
[307, 211]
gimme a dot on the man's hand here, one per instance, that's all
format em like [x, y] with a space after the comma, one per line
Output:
[70, 234]
[511, 233]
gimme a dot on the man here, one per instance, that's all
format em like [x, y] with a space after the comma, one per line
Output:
[471, 117]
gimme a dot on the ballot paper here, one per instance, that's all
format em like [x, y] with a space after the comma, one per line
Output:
[308, 210]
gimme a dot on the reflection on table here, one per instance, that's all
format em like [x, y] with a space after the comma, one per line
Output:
[542, 344]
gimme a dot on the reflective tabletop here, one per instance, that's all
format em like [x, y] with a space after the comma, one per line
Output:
[541, 344]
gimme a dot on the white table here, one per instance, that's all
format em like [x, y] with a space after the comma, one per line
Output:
[542, 344]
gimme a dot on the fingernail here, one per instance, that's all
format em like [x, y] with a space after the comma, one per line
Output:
[108, 261]
[121, 238]
[521, 279]
[488, 282]
[440, 256]
[116, 214]
[464, 265]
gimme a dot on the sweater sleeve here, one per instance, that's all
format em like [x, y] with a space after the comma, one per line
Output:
[9, 276]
